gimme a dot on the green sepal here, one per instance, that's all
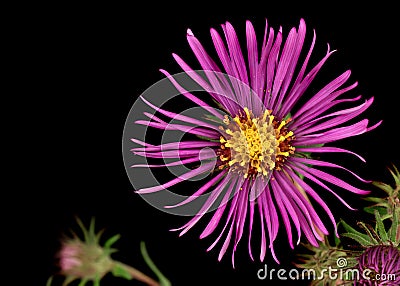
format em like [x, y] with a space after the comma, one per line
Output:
[111, 241]
[289, 115]
[83, 229]
[99, 234]
[207, 138]
[49, 281]
[68, 280]
[213, 118]
[83, 282]
[307, 155]
[120, 271]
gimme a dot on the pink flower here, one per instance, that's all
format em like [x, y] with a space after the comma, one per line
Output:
[69, 258]
[259, 152]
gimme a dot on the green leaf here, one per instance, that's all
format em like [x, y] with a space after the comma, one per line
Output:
[83, 228]
[385, 187]
[360, 239]
[99, 234]
[49, 281]
[68, 280]
[371, 210]
[351, 230]
[394, 228]
[92, 233]
[381, 227]
[111, 241]
[83, 282]
[120, 271]
[337, 241]
[374, 199]
[396, 175]
[161, 278]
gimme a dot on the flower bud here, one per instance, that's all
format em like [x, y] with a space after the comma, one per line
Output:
[83, 260]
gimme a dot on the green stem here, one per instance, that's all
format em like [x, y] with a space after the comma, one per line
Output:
[163, 280]
[136, 274]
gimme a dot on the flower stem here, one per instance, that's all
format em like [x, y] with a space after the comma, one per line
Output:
[136, 274]
[163, 280]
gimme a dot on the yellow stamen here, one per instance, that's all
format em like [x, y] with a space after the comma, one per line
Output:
[271, 119]
[283, 123]
[253, 145]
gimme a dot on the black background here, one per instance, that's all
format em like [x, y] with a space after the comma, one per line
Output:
[97, 60]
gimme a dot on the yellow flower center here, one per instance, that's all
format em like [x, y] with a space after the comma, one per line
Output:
[254, 146]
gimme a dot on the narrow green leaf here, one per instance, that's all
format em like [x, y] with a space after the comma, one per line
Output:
[385, 217]
[381, 227]
[374, 199]
[83, 228]
[68, 280]
[394, 227]
[83, 282]
[49, 281]
[92, 233]
[99, 234]
[119, 271]
[111, 241]
[361, 240]
[350, 229]
[110, 251]
[161, 278]
[337, 241]
[371, 210]
[372, 235]
[396, 175]
[385, 187]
